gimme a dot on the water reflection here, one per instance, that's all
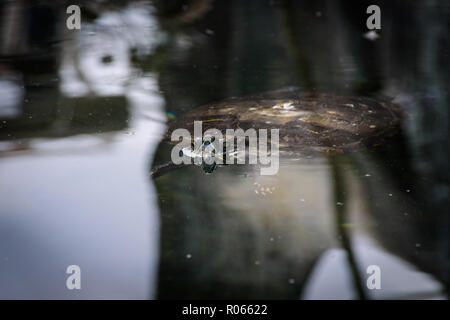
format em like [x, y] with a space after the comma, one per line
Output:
[74, 185]
[214, 239]
[12, 91]
[83, 112]
[99, 61]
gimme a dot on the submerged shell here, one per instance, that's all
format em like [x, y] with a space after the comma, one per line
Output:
[307, 122]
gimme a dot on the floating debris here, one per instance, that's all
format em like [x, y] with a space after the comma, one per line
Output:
[371, 35]
[263, 190]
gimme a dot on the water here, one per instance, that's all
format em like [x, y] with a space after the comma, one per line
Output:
[83, 112]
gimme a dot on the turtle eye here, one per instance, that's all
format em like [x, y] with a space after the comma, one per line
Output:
[212, 139]
[181, 153]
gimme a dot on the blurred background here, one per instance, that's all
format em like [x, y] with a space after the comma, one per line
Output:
[82, 114]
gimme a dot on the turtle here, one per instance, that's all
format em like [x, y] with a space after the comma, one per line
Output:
[309, 123]
[207, 149]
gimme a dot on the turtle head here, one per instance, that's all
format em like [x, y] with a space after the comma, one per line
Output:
[209, 153]
[204, 155]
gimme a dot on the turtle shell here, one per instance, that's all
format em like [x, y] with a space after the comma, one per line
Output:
[307, 122]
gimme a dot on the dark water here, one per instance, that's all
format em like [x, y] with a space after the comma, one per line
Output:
[82, 114]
